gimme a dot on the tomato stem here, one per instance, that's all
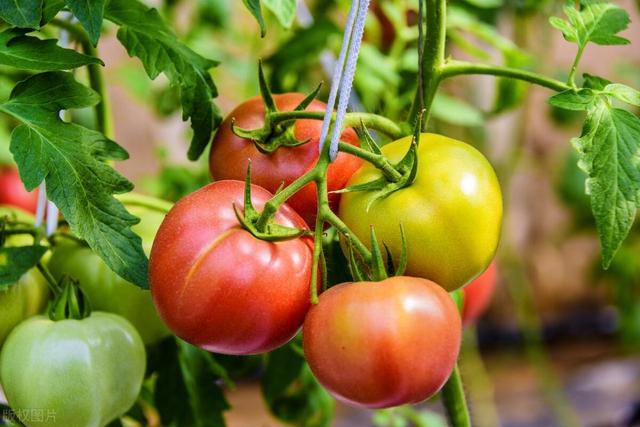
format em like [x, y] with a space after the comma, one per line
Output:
[432, 59]
[455, 68]
[51, 281]
[377, 160]
[454, 401]
[374, 121]
[317, 243]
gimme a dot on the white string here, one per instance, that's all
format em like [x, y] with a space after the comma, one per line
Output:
[346, 83]
[327, 58]
[337, 74]
[51, 209]
[343, 74]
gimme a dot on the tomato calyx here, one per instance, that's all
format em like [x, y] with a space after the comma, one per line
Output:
[70, 302]
[272, 136]
[379, 268]
[405, 170]
[250, 219]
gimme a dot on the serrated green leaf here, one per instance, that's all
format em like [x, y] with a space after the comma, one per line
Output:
[31, 53]
[596, 22]
[456, 111]
[576, 101]
[146, 36]
[623, 93]
[284, 10]
[90, 13]
[21, 13]
[254, 8]
[50, 9]
[185, 370]
[291, 392]
[609, 150]
[70, 158]
[16, 261]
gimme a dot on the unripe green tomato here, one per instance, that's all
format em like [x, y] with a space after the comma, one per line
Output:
[451, 213]
[105, 289]
[28, 296]
[72, 373]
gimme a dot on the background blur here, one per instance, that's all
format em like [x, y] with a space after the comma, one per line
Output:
[561, 342]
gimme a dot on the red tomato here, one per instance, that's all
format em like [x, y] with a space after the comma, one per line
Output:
[383, 344]
[218, 287]
[478, 293]
[12, 191]
[230, 154]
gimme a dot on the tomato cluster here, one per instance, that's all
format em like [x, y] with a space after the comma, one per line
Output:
[219, 284]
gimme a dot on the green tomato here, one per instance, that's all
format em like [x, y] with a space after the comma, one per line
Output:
[105, 289]
[72, 373]
[28, 296]
[451, 213]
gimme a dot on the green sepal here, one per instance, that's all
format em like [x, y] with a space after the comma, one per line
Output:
[273, 232]
[458, 297]
[354, 266]
[70, 303]
[265, 91]
[402, 265]
[378, 265]
[269, 138]
[369, 143]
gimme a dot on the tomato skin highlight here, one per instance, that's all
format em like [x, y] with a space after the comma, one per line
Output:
[451, 213]
[13, 192]
[478, 293]
[218, 287]
[383, 344]
[230, 154]
[86, 372]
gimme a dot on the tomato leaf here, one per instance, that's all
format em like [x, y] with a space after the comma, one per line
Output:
[284, 10]
[254, 8]
[22, 14]
[290, 390]
[623, 93]
[596, 22]
[90, 13]
[580, 100]
[31, 53]
[145, 35]
[50, 9]
[16, 261]
[187, 371]
[70, 158]
[609, 150]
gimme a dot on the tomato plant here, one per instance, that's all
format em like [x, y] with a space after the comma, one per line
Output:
[80, 372]
[13, 193]
[451, 213]
[236, 268]
[231, 154]
[478, 293]
[204, 286]
[360, 336]
[105, 289]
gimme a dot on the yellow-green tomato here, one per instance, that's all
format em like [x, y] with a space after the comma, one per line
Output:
[28, 296]
[72, 373]
[105, 289]
[451, 213]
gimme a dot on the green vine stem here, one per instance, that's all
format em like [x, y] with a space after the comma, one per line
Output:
[432, 59]
[378, 161]
[455, 68]
[51, 281]
[374, 121]
[454, 400]
[104, 118]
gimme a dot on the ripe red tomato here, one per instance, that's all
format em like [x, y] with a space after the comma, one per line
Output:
[218, 287]
[382, 344]
[12, 191]
[231, 154]
[478, 293]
